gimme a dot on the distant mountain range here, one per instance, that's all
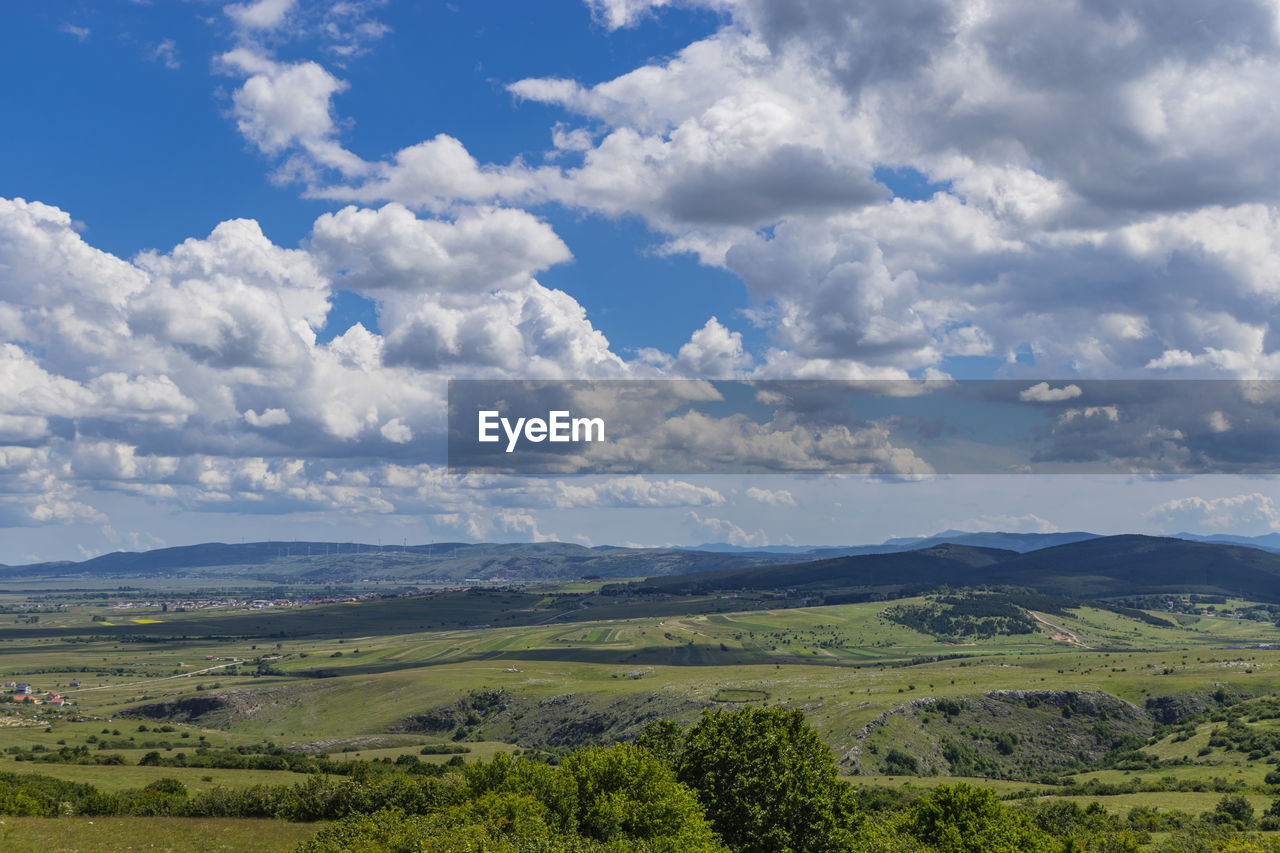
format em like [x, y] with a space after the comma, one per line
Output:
[1267, 542]
[1095, 567]
[1049, 560]
[351, 562]
[1020, 542]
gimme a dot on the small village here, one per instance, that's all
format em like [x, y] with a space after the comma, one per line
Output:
[190, 604]
[17, 691]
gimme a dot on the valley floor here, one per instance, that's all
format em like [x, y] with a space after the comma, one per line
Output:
[1029, 715]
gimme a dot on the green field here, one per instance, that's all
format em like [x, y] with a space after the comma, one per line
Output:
[178, 835]
[551, 670]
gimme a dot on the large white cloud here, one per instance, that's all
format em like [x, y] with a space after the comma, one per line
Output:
[461, 294]
[196, 375]
[286, 105]
[436, 175]
[233, 299]
[712, 352]
[1107, 184]
[392, 250]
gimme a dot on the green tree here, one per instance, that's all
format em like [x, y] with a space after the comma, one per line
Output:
[900, 763]
[1235, 808]
[392, 831]
[517, 817]
[965, 819]
[768, 782]
[620, 794]
[553, 789]
[625, 791]
[665, 739]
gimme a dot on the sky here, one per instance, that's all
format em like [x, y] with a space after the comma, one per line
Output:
[244, 246]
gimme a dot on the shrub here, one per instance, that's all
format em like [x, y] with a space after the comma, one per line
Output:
[899, 763]
[767, 781]
[965, 819]
[1235, 808]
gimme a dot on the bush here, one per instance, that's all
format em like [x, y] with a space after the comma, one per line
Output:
[1235, 808]
[169, 786]
[965, 819]
[768, 782]
[392, 831]
[625, 791]
[609, 794]
[899, 763]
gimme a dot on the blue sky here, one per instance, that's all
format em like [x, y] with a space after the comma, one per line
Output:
[244, 245]
[161, 132]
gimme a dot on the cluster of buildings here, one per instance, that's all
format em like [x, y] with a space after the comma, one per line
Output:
[182, 605]
[1186, 606]
[21, 692]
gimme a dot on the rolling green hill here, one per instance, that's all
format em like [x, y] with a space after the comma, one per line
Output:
[1102, 567]
[929, 567]
[1119, 565]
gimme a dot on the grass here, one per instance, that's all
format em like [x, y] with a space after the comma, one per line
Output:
[483, 750]
[1002, 787]
[1191, 802]
[196, 779]
[1235, 769]
[180, 835]
[738, 694]
[843, 662]
[351, 684]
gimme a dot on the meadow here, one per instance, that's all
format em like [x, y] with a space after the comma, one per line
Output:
[541, 672]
